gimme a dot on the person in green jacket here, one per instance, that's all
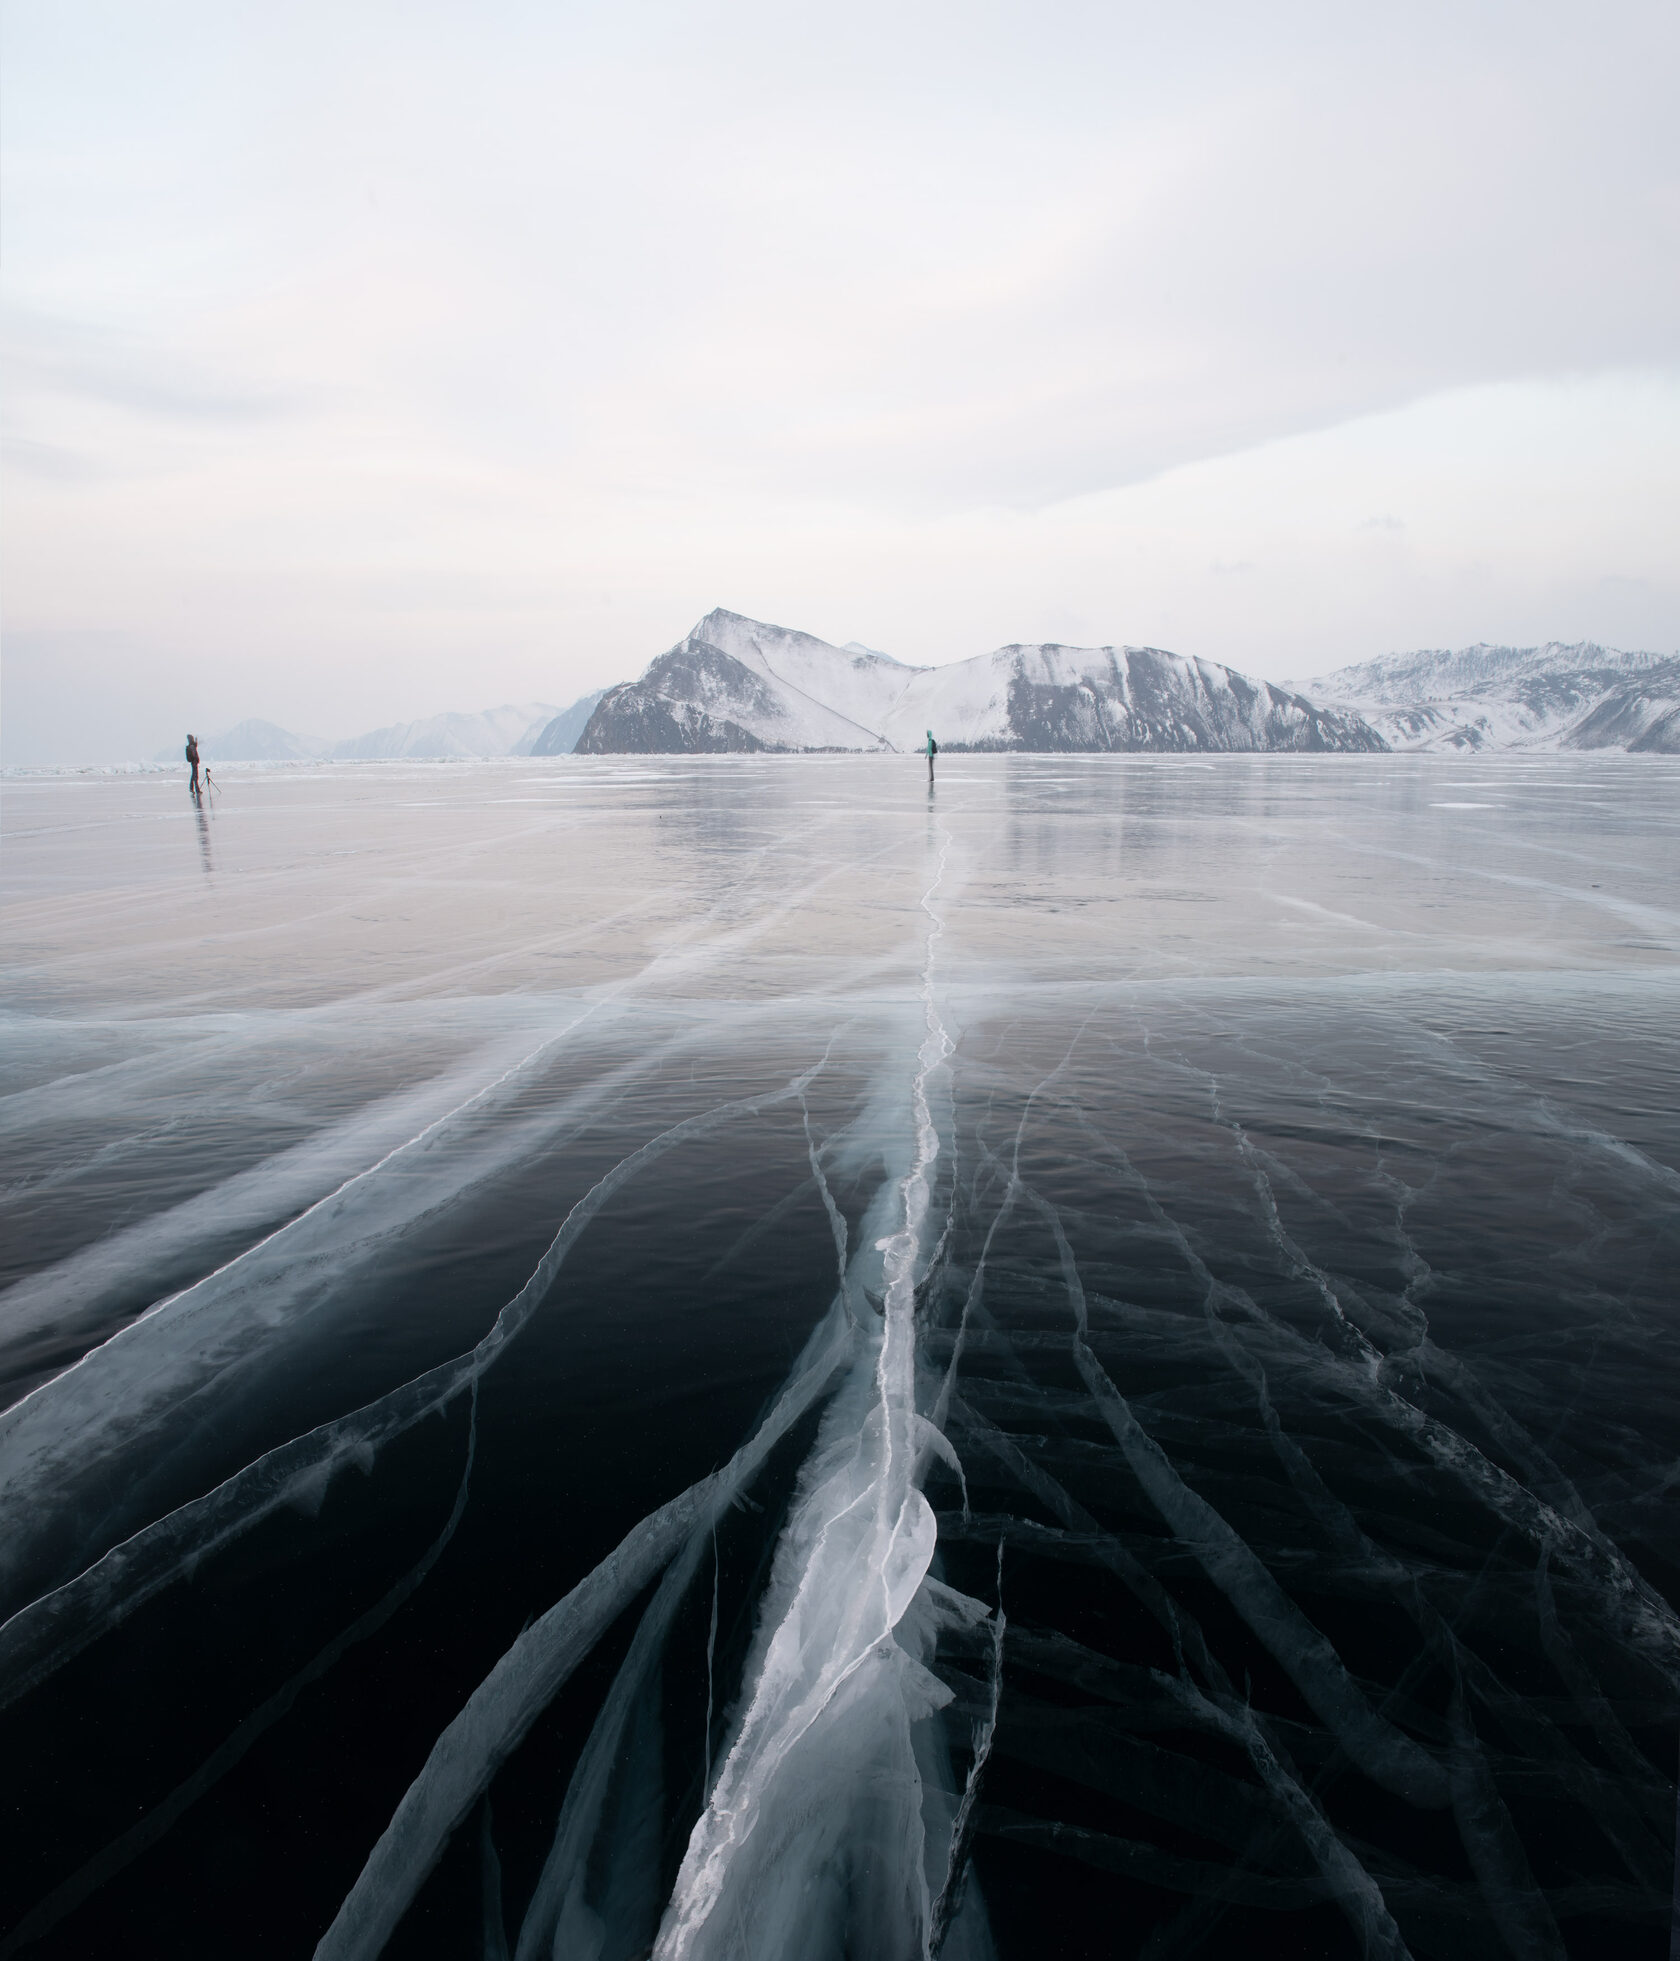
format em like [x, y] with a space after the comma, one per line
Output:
[932, 751]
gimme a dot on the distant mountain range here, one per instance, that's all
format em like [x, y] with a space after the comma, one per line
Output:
[515, 729]
[1552, 697]
[735, 684]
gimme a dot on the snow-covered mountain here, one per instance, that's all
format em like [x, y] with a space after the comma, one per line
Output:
[735, 684]
[1484, 697]
[1126, 698]
[253, 741]
[510, 730]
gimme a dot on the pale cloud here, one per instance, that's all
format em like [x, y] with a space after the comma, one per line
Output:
[367, 361]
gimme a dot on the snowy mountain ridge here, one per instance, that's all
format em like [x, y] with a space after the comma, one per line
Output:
[1556, 696]
[737, 684]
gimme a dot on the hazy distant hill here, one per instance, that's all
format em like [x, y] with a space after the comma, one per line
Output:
[736, 684]
[506, 731]
[253, 742]
[560, 737]
[1483, 697]
[511, 730]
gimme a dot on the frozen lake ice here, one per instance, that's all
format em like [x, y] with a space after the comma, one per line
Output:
[729, 1358]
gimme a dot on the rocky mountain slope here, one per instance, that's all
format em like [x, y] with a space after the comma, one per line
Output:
[1484, 697]
[735, 684]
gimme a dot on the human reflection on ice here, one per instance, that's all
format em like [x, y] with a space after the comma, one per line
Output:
[203, 836]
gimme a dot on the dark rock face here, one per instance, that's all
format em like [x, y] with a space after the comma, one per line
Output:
[670, 710]
[705, 675]
[634, 720]
[1044, 716]
[1301, 724]
[1146, 703]
[1640, 716]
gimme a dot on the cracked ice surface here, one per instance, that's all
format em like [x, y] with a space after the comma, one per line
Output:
[721, 1357]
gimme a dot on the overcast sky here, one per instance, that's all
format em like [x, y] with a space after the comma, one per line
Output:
[364, 361]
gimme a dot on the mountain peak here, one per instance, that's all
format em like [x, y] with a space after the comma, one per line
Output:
[730, 631]
[738, 684]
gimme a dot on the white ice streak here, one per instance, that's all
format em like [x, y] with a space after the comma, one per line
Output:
[811, 1840]
[1387, 1755]
[503, 1707]
[137, 1390]
[152, 1826]
[1350, 1885]
[1622, 1598]
[140, 1376]
[974, 1300]
[44, 1634]
[561, 1919]
[290, 1186]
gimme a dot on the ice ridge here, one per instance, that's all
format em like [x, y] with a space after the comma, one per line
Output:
[830, 1688]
